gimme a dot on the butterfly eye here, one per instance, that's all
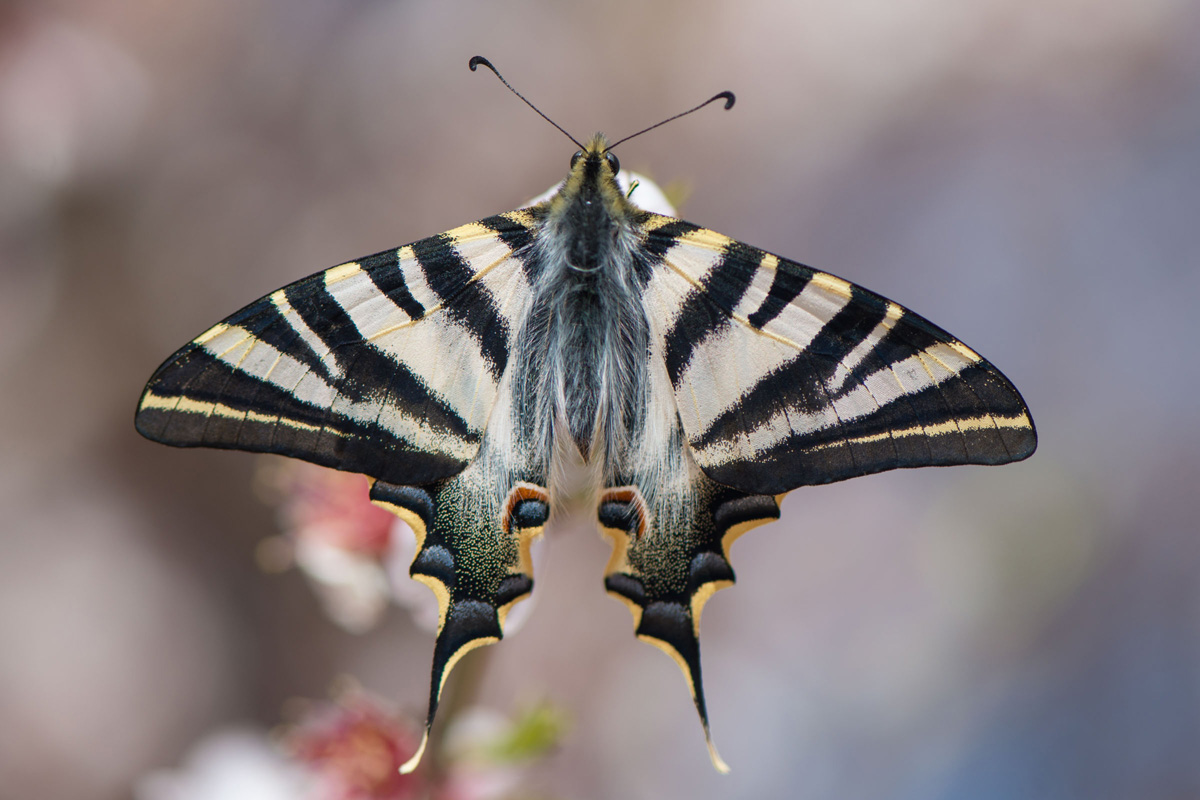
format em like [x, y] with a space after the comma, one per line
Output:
[613, 162]
[575, 158]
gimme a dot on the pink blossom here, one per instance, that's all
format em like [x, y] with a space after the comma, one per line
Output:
[355, 749]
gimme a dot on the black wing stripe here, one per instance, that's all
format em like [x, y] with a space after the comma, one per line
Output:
[213, 388]
[803, 380]
[473, 307]
[657, 244]
[701, 314]
[980, 390]
[514, 231]
[930, 413]
[786, 284]
[268, 320]
[437, 351]
[665, 234]
[384, 270]
[372, 382]
[235, 346]
[222, 412]
[318, 311]
[696, 320]
[947, 423]
[909, 335]
[889, 386]
[732, 362]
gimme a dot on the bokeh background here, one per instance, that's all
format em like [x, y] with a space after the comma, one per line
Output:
[1025, 174]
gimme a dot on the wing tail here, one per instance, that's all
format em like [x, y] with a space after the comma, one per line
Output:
[667, 562]
[474, 557]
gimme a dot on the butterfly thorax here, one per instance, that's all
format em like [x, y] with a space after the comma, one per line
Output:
[587, 336]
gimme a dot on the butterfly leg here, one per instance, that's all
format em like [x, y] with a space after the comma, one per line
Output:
[473, 556]
[668, 561]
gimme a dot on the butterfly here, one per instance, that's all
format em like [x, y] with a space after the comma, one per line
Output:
[673, 382]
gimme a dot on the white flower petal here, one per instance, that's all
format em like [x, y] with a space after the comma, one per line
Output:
[231, 764]
[353, 587]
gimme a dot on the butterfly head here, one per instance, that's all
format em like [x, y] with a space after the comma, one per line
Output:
[592, 182]
[596, 156]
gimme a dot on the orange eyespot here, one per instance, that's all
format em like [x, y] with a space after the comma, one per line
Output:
[527, 506]
[624, 508]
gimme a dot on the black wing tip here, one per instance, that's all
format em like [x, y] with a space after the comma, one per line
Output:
[141, 420]
[152, 422]
[1026, 443]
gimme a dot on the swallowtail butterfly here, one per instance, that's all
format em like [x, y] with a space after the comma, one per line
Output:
[680, 382]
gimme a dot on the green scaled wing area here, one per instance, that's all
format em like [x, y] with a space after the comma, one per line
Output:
[475, 560]
[667, 562]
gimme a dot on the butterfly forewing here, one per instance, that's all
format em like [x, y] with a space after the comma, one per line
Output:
[388, 365]
[785, 376]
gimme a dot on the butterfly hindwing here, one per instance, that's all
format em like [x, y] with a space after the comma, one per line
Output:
[670, 557]
[786, 376]
[474, 556]
[388, 366]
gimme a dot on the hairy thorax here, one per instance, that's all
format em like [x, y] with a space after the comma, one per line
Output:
[587, 341]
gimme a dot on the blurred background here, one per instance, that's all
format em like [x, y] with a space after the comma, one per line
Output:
[1024, 174]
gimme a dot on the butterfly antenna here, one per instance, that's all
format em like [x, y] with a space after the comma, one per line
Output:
[726, 96]
[477, 60]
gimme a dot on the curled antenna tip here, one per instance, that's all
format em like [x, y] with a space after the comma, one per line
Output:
[477, 60]
[726, 96]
